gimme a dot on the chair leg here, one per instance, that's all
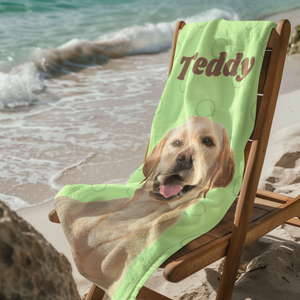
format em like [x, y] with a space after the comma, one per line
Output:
[228, 277]
[231, 266]
[95, 293]
[294, 221]
[148, 294]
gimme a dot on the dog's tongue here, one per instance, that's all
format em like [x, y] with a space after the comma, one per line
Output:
[170, 190]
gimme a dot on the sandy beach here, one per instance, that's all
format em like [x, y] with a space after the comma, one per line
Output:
[279, 250]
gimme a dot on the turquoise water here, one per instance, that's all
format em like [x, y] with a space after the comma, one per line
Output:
[68, 108]
[28, 25]
[29, 29]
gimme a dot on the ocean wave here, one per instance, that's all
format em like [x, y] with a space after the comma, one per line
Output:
[147, 39]
[21, 86]
[16, 203]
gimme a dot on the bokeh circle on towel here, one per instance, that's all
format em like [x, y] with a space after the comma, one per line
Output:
[99, 187]
[218, 46]
[205, 108]
[263, 49]
[237, 185]
[130, 191]
[250, 24]
[196, 210]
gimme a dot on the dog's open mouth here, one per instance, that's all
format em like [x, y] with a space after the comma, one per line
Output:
[171, 189]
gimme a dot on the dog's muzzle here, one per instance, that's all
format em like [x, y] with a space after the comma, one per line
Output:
[185, 159]
[172, 188]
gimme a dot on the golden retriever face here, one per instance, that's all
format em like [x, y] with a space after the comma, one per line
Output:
[195, 156]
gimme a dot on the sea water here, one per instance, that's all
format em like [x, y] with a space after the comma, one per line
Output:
[80, 82]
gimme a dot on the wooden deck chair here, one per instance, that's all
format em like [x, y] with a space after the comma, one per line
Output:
[255, 212]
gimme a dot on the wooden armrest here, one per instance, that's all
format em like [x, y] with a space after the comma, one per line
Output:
[53, 217]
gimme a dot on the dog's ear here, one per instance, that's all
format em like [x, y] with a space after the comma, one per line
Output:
[226, 164]
[153, 158]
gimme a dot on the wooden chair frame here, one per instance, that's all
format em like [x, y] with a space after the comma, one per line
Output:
[255, 212]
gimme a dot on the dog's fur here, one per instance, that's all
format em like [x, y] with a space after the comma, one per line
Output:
[106, 236]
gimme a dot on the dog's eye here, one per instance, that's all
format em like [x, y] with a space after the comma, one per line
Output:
[177, 143]
[208, 142]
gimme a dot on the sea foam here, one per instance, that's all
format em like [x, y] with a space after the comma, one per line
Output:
[149, 38]
[20, 86]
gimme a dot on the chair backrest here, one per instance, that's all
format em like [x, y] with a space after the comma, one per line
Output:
[269, 81]
[268, 89]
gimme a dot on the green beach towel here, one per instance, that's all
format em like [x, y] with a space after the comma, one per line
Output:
[120, 234]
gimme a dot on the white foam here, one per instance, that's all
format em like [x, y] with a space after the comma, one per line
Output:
[24, 81]
[212, 14]
[52, 181]
[16, 203]
[71, 44]
[153, 38]
[19, 86]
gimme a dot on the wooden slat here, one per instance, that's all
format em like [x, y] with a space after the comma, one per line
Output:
[247, 151]
[294, 222]
[266, 60]
[221, 229]
[266, 204]
[270, 44]
[260, 210]
[259, 101]
[196, 260]
[261, 89]
[264, 71]
[195, 244]
[272, 220]
[262, 78]
[258, 106]
[273, 196]
[278, 42]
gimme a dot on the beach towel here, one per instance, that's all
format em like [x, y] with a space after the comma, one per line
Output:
[120, 234]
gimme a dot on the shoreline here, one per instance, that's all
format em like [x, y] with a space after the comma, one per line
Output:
[37, 215]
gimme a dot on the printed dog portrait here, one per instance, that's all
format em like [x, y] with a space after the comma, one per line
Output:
[196, 156]
[106, 236]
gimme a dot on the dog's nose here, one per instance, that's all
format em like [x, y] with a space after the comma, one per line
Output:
[185, 158]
